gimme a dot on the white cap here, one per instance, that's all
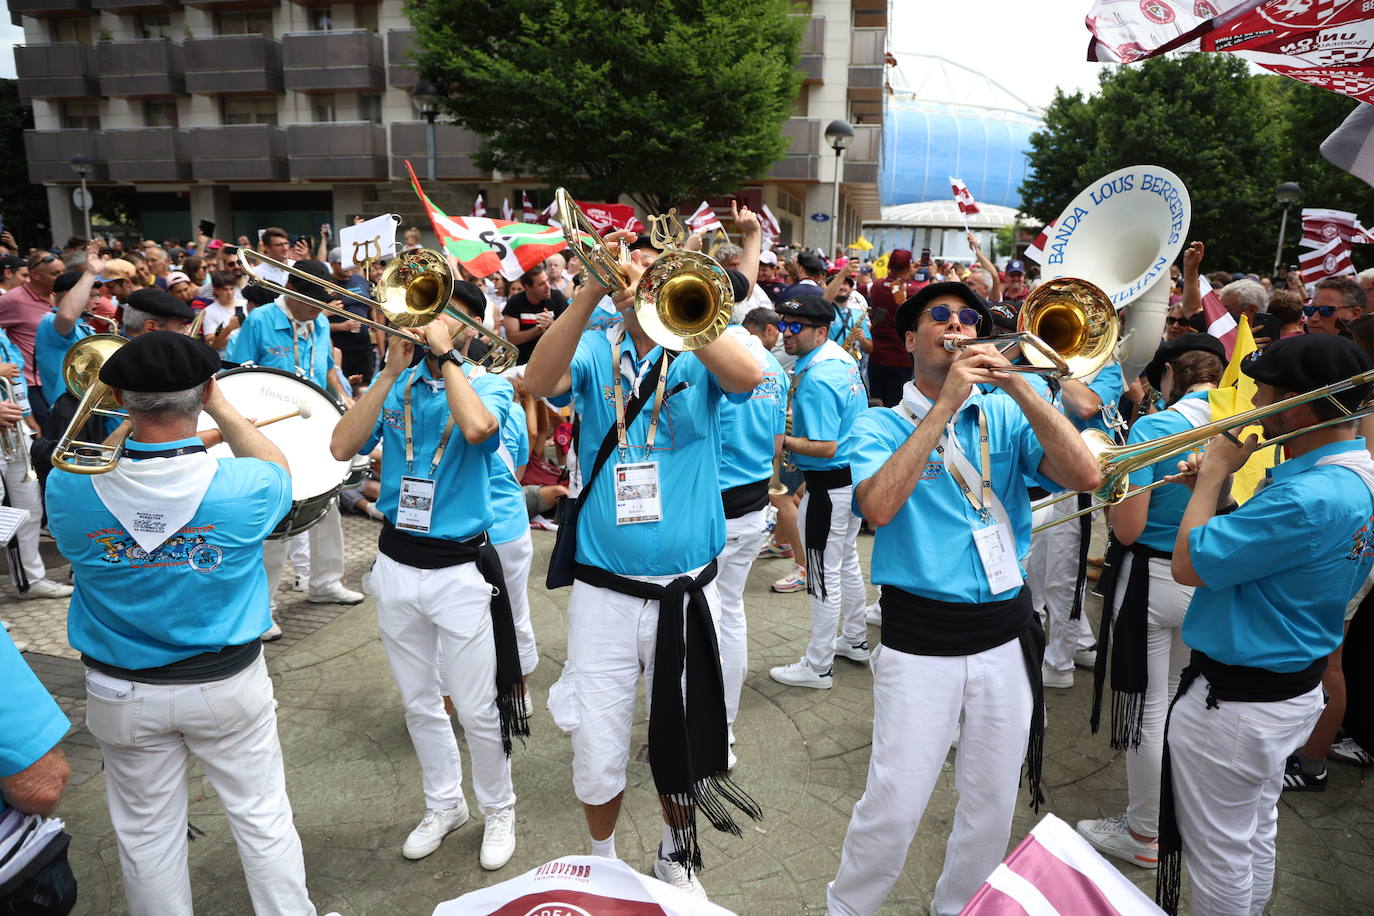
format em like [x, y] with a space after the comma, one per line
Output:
[768, 257]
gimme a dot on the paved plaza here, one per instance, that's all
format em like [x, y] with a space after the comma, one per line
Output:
[803, 754]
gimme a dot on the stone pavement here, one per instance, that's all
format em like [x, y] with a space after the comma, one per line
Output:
[803, 755]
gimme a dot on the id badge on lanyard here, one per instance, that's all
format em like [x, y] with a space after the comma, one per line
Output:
[992, 538]
[415, 502]
[638, 494]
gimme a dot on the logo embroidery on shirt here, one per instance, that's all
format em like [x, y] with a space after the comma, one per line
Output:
[178, 550]
[1362, 543]
[932, 470]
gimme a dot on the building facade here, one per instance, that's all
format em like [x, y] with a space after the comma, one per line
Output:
[252, 113]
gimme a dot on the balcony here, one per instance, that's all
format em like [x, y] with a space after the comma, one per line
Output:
[813, 51]
[237, 152]
[861, 160]
[53, 9]
[870, 14]
[400, 71]
[337, 151]
[803, 159]
[63, 70]
[140, 69]
[867, 56]
[230, 6]
[453, 150]
[147, 154]
[349, 60]
[136, 6]
[50, 154]
[233, 65]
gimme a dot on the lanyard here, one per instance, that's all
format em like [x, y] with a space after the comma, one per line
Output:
[309, 371]
[410, 437]
[620, 402]
[983, 501]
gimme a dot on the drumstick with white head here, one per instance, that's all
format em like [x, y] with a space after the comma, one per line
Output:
[211, 436]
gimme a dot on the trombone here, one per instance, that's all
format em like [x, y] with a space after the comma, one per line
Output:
[81, 371]
[1117, 462]
[684, 300]
[415, 288]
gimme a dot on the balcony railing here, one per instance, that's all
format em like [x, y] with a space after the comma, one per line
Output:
[337, 151]
[453, 150]
[50, 154]
[867, 52]
[136, 6]
[233, 65]
[51, 9]
[400, 72]
[229, 6]
[813, 51]
[146, 154]
[140, 69]
[62, 70]
[337, 61]
[237, 152]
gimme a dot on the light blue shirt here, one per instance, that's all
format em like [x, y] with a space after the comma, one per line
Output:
[843, 324]
[687, 449]
[200, 591]
[34, 723]
[1167, 501]
[10, 353]
[747, 430]
[266, 339]
[828, 398]
[507, 496]
[1279, 570]
[927, 549]
[1108, 384]
[462, 482]
[49, 349]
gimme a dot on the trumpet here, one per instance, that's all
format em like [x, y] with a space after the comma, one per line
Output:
[416, 287]
[81, 371]
[13, 444]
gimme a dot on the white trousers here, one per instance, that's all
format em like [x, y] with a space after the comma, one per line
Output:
[919, 701]
[516, 558]
[611, 639]
[743, 536]
[1165, 657]
[417, 610]
[326, 552]
[844, 580]
[25, 495]
[298, 552]
[147, 733]
[1227, 766]
[1053, 571]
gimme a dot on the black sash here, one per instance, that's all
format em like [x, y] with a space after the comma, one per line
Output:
[818, 518]
[745, 498]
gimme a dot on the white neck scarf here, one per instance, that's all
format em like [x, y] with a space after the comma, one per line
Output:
[154, 498]
[1196, 411]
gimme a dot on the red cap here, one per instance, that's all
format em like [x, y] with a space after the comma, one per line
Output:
[898, 261]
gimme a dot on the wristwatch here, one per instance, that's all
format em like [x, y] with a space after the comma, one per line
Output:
[452, 356]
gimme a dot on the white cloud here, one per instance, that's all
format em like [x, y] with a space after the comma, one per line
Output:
[10, 35]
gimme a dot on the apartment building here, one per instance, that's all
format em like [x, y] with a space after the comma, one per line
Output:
[261, 112]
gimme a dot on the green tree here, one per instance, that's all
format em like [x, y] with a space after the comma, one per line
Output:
[23, 204]
[663, 100]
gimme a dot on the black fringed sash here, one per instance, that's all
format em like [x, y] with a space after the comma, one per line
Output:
[923, 626]
[1234, 683]
[1085, 534]
[688, 743]
[438, 553]
[1127, 643]
[819, 512]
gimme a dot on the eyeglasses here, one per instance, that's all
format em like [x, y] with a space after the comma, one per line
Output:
[795, 327]
[940, 314]
[1172, 320]
[1326, 311]
[46, 259]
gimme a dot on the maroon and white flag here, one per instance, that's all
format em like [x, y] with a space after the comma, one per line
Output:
[527, 209]
[1221, 324]
[772, 231]
[1330, 260]
[1320, 226]
[507, 213]
[704, 219]
[1036, 251]
[479, 206]
[549, 215]
[963, 197]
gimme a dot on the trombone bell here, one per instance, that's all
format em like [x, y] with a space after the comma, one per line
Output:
[81, 371]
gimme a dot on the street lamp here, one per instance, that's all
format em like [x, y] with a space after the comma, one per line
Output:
[81, 165]
[1286, 194]
[839, 134]
[426, 95]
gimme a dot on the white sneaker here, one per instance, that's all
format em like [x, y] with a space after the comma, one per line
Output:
[431, 831]
[730, 730]
[1111, 836]
[273, 632]
[22, 645]
[301, 584]
[731, 759]
[854, 651]
[6, 624]
[1085, 658]
[336, 594]
[1053, 677]
[671, 871]
[800, 674]
[1349, 751]
[498, 839]
[873, 615]
[45, 588]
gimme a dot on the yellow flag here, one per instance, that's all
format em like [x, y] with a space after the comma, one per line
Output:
[862, 244]
[1236, 395]
[880, 267]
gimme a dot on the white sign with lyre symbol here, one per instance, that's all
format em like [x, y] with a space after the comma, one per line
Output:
[370, 240]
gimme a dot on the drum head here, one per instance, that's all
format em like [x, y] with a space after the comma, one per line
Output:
[260, 394]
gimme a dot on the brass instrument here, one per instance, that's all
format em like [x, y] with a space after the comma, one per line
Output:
[1067, 328]
[14, 446]
[81, 371]
[1117, 462]
[684, 300]
[782, 461]
[414, 289]
[111, 326]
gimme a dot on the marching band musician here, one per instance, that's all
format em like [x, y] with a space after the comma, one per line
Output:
[1261, 624]
[644, 598]
[437, 580]
[293, 335]
[169, 605]
[941, 479]
[1145, 647]
[826, 396]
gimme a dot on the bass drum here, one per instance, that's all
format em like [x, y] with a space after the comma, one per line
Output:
[316, 478]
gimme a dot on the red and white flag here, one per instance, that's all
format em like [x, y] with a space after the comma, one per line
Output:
[772, 231]
[479, 206]
[507, 213]
[527, 209]
[1320, 226]
[1330, 260]
[1221, 324]
[963, 197]
[1036, 251]
[704, 219]
[549, 215]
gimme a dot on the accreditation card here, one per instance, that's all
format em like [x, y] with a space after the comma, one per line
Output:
[415, 506]
[637, 495]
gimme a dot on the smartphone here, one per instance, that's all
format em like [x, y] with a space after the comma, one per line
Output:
[238, 312]
[207, 228]
[297, 239]
[327, 229]
[108, 253]
[925, 255]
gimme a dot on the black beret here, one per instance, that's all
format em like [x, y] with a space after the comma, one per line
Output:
[159, 302]
[643, 240]
[467, 293]
[307, 288]
[67, 280]
[1308, 361]
[739, 284]
[811, 263]
[258, 295]
[1184, 343]
[911, 309]
[160, 361]
[1003, 316]
[807, 307]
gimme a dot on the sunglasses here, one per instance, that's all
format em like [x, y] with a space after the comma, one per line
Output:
[795, 327]
[1326, 311]
[968, 317]
[1172, 320]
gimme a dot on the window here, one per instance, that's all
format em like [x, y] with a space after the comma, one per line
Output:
[324, 109]
[81, 115]
[365, 16]
[160, 113]
[370, 108]
[320, 20]
[69, 30]
[251, 23]
[249, 111]
[155, 27]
